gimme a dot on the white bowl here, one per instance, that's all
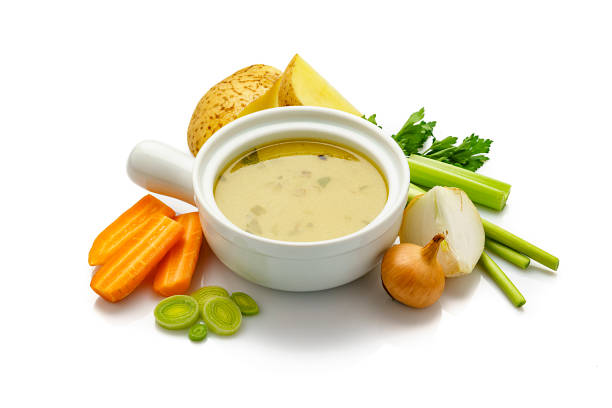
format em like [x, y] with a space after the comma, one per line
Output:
[292, 266]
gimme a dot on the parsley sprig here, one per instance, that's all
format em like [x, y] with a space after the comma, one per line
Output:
[469, 154]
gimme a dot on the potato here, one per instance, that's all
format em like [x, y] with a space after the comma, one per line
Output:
[302, 85]
[266, 101]
[225, 101]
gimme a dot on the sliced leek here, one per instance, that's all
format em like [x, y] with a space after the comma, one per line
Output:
[177, 312]
[222, 315]
[246, 303]
[202, 294]
[198, 332]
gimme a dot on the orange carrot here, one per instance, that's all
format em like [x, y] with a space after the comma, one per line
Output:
[133, 261]
[124, 227]
[174, 272]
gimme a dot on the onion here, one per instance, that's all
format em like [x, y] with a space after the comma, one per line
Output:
[448, 211]
[412, 275]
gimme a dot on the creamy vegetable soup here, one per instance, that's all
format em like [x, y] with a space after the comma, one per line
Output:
[301, 191]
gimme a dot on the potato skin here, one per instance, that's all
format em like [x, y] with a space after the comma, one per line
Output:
[224, 101]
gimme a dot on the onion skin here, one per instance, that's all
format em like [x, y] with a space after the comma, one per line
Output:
[412, 275]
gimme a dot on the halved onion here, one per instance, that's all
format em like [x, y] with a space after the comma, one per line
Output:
[448, 211]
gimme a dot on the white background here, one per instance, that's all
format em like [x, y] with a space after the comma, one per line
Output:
[81, 83]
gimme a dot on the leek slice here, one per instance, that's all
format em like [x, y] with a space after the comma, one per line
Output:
[222, 315]
[202, 294]
[177, 312]
[247, 305]
[198, 332]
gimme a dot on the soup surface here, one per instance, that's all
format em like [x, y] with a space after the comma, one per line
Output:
[301, 191]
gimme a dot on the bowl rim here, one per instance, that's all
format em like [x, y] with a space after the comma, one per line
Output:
[279, 115]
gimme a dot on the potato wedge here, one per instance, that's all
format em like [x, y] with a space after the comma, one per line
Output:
[265, 101]
[302, 85]
[226, 100]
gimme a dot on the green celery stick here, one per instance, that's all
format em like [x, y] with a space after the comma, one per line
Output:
[506, 253]
[428, 175]
[500, 185]
[500, 278]
[414, 191]
[507, 238]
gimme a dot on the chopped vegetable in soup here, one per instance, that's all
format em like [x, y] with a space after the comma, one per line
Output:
[301, 191]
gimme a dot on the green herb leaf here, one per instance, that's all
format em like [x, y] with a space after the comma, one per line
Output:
[323, 181]
[441, 145]
[251, 158]
[415, 132]
[371, 119]
[258, 210]
[470, 154]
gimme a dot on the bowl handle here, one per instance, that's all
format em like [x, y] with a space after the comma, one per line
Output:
[162, 169]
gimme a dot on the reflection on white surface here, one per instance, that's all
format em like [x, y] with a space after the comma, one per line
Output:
[357, 315]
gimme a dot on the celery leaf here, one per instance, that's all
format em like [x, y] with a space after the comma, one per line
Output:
[415, 132]
[469, 154]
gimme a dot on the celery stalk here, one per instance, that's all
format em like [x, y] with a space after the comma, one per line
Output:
[500, 185]
[507, 238]
[508, 254]
[426, 174]
[414, 191]
[500, 278]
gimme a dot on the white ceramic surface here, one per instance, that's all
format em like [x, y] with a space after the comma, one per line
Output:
[292, 266]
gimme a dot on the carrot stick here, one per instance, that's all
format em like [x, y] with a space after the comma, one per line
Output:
[133, 261]
[173, 274]
[124, 227]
